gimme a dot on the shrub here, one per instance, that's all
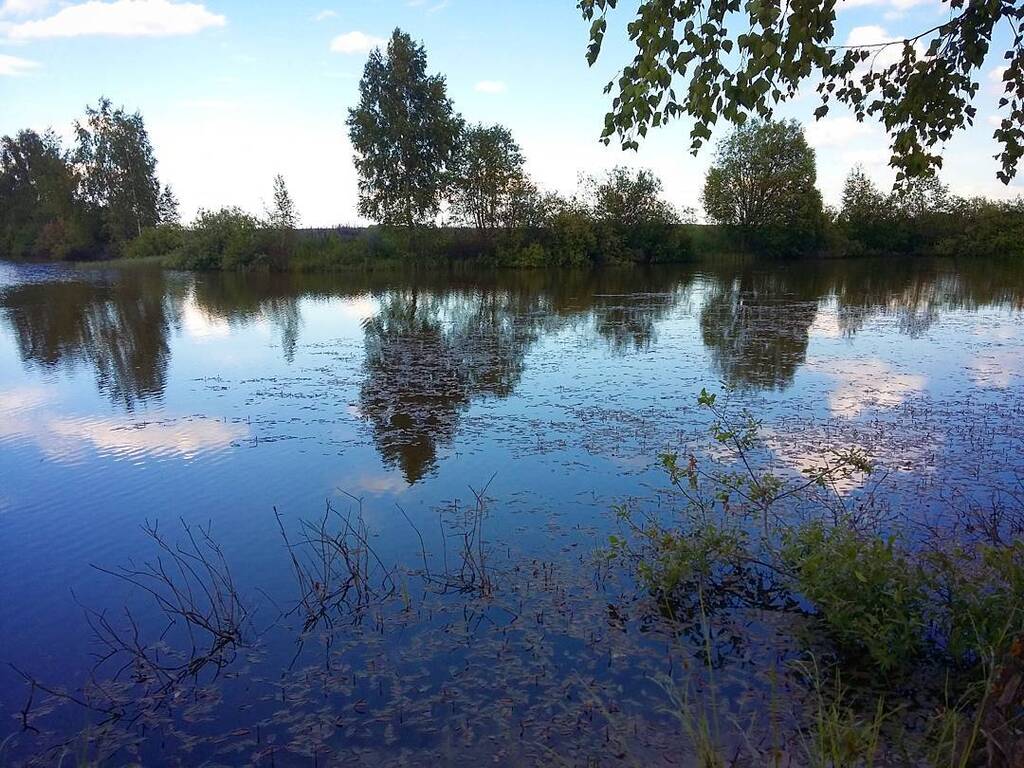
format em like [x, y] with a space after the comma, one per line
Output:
[156, 242]
[224, 239]
[572, 239]
[530, 256]
[978, 598]
[866, 591]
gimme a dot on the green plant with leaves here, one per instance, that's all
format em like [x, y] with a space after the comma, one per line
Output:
[282, 214]
[118, 177]
[762, 184]
[40, 215]
[163, 242]
[637, 223]
[228, 238]
[167, 207]
[977, 597]
[865, 217]
[741, 486]
[866, 590]
[706, 59]
[405, 134]
[709, 547]
[491, 189]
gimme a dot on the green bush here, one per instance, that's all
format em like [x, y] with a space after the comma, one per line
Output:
[868, 594]
[156, 242]
[530, 256]
[224, 239]
[977, 598]
[572, 241]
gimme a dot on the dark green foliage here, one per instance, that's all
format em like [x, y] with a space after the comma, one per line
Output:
[922, 218]
[165, 241]
[865, 217]
[119, 172]
[985, 229]
[39, 217]
[90, 202]
[491, 188]
[282, 214]
[638, 224]
[167, 207]
[867, 593]
[978, 593]
[405, 134]
[620, 218]
[282, 220]
[705, 59]
[762, 186]
[228, 238]
[874, 597]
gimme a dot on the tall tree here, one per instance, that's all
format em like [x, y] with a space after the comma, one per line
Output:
[39, 212]
[705, 59]
[490, 178]
[118, 170]
[631, 198]
[167, 207]
[763, 174]
[405, 134]
[865, 216]
[763, 179]
[283, 214]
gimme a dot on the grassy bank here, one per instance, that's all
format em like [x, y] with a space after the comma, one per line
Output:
[233, 241]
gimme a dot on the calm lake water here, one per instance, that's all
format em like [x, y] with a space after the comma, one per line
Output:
[214, 400]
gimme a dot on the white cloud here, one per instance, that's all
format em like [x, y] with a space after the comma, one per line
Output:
[356, 42]
[23, 7]
[996, 75]
[12, 66]
[864, 385]
[870, 34]
[995, 78]
[122, 18]
[873, 36]
[836, 131]
[490, 86]
[324, 15]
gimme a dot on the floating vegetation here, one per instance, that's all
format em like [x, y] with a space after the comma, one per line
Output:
[834, 578]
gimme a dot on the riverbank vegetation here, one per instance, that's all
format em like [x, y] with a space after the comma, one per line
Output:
[888, 604]
[442, 190]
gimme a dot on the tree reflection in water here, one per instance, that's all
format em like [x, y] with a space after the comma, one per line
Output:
[118, 326]
[427, 356]
[757, 331]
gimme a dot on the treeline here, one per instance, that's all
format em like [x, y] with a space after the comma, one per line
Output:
[924, 218]
[81, 202]
[762, 190]
[441, 189]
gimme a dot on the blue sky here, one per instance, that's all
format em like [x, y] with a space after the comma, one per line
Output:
[234, 92]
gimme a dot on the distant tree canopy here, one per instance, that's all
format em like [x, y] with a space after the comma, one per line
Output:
[282, 214]
[706, 59]
[167, 207]
[118, 170]
[631, 198]
[39, 214]
[491, 187]
[763, 182]
[56, 203]
[405, 134]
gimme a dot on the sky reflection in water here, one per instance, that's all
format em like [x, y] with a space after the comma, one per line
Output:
[145, 395]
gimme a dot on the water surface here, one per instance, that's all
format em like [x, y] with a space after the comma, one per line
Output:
[133, 396]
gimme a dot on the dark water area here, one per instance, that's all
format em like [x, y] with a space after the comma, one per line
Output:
[472, 433]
